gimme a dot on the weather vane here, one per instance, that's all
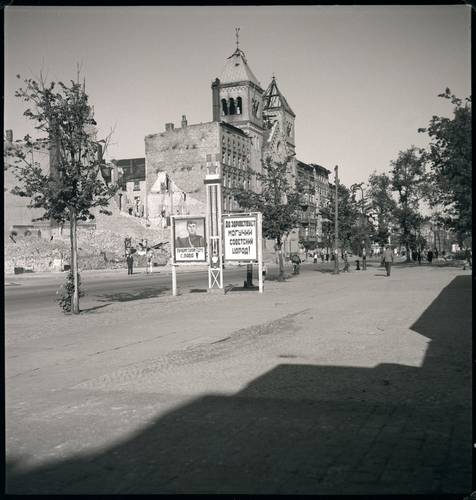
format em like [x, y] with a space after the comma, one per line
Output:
[237, 34]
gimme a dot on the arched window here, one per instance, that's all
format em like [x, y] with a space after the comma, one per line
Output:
[224, 106]
[239, 106]
[232, 106]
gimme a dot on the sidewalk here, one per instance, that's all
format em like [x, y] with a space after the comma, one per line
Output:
[324, 384]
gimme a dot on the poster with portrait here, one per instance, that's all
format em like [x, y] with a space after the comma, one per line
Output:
[189, 239]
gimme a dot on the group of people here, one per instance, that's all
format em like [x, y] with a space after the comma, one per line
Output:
[130, 261]
[417, 255]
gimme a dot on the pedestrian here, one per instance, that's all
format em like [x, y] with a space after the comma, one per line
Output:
[296, 260]
[322, 256]
[388, 259]
[414, 255]
[419, 257]
[148, 269]
[436, 254]
[327, 256]
[130, 263]
[468, 256]
[315, 257]
[364, 259]
[429, 255]
[345, 258]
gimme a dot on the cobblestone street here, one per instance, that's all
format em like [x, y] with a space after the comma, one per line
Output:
[349, 384]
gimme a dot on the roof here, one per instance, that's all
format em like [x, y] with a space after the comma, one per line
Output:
[321, 169]
[237, 69]
[232, 128]
[273, 99]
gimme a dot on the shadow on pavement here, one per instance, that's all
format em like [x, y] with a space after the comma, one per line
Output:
[90, 310]
[143, 293]
[303, 429]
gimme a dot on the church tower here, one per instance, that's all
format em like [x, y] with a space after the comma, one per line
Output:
[238, 100]
[278, 121]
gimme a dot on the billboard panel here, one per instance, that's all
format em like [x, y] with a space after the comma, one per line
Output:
[240, 237]
[188, 236]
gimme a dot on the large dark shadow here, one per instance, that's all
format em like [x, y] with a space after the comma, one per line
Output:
[301, 428]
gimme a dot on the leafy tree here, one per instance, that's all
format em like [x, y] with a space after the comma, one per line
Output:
[409, 181]
[73, 185]
[347, 216]
[450, 159]
[278, 201]
[382, 206]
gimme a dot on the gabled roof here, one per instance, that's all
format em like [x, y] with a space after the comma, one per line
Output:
[237, 69]
[273, 99]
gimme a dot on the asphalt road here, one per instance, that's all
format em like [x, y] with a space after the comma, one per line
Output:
[37, 292]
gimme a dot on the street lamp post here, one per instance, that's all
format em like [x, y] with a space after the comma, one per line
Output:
[336, 238]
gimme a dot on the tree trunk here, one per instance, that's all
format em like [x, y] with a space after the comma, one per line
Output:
[407, 253]
[74, 262]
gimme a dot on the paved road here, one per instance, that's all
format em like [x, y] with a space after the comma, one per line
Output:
[37, 292]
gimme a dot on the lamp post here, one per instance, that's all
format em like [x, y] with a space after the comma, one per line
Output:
[362, 215]
[336, 224]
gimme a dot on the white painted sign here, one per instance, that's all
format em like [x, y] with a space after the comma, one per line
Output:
[240, 238]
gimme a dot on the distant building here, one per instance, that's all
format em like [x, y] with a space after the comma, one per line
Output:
[129, 174]
[314, 180]
[19, 219]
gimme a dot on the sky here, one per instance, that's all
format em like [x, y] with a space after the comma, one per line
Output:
[360, 79]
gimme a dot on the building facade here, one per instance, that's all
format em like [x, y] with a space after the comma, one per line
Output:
[248, 125]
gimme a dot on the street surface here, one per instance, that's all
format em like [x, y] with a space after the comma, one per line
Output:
[350, 384]
[37, 292]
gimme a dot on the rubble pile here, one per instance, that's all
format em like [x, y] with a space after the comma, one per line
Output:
[100, 248]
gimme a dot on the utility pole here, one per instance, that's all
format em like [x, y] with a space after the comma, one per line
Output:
[336, 236]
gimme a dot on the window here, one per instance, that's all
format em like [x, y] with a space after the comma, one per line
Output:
[255, 106]
[224, 107]
[238, 106]
[232, 108]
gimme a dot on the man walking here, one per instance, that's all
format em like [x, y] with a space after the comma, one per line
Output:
[364, 259]
[388, 259]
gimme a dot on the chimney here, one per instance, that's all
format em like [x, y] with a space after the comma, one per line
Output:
[216, 100]
[169, 126]
[184, 121]
[9, 135]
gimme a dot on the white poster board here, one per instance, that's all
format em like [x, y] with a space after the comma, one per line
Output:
[240, 237]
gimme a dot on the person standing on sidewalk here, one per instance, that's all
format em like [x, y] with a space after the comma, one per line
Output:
[148, 268]
[388, 259]
[345, 258]
[430, 255]
[130, 263]
[364, 259]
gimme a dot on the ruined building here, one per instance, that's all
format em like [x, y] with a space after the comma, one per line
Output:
[248, 124]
